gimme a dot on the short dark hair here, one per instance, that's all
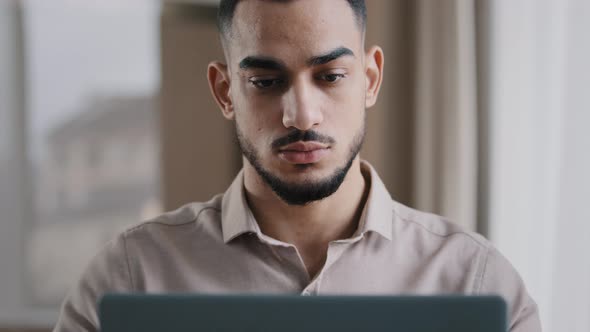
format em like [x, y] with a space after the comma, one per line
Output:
[227, 9]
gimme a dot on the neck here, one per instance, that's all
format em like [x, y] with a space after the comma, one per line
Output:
[313, 225]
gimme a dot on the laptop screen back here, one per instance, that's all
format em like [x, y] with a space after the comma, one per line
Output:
[258, 313]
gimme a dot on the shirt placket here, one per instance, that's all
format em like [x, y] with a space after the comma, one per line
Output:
[335, 251]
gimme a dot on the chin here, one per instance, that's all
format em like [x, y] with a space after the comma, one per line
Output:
[304, 183]
[297, 174]
[312, 170]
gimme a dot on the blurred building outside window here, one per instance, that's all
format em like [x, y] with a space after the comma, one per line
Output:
[92, 85]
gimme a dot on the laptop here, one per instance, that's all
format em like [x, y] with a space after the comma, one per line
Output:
[292, 313]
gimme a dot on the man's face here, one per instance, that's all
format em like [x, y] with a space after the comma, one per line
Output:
[298, 93]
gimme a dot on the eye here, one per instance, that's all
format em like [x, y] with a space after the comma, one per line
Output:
[332, 78]
[265, 83]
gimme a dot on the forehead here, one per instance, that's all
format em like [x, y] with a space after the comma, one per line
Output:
[292, 29]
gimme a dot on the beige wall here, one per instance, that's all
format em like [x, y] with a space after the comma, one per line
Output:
[390, 132]
[199, 157]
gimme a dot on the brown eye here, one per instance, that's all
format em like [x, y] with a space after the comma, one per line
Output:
[332, 78]
[266, 83]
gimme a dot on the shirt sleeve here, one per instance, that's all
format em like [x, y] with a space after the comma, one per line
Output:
[500, 278]
[107, 272]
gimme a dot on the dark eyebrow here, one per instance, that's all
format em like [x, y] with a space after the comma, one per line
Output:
[261, 62]
[330, 56]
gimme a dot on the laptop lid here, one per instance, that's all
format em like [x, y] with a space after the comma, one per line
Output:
[258, 313]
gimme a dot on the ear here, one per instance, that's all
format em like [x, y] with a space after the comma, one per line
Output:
[219, 84]
[374, 74]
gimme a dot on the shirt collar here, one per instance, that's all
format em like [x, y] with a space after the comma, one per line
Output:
[236, 216]
[377, 216]
[378, 212]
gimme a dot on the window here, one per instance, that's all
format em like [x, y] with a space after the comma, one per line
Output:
[92, 82]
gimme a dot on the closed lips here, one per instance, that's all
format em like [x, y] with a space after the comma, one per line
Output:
[303, 147]
[304, 152]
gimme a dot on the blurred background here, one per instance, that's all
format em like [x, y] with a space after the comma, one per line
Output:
[106, 120]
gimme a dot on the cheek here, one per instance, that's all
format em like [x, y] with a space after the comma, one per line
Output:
[254, 129]
[351, 92]
[250, 113]
[344, 107]
[260, 110]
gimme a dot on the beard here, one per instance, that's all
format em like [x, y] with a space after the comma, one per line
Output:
[309, 190]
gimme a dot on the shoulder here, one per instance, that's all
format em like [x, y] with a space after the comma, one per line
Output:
[164, 230]
[499, 277]
[115, 267]
[493, 273]
[194, 215]
[414, 223]
[447, 249]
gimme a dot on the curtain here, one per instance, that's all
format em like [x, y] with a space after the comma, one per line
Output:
[539, 143]
[423, 134]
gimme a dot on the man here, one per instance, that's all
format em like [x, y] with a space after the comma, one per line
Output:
[305, 215]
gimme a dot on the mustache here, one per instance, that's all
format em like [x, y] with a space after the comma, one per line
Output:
[304, 136]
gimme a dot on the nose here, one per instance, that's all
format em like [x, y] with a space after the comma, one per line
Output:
[301, 107]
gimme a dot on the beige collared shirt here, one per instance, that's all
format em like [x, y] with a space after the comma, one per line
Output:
[217, 247]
